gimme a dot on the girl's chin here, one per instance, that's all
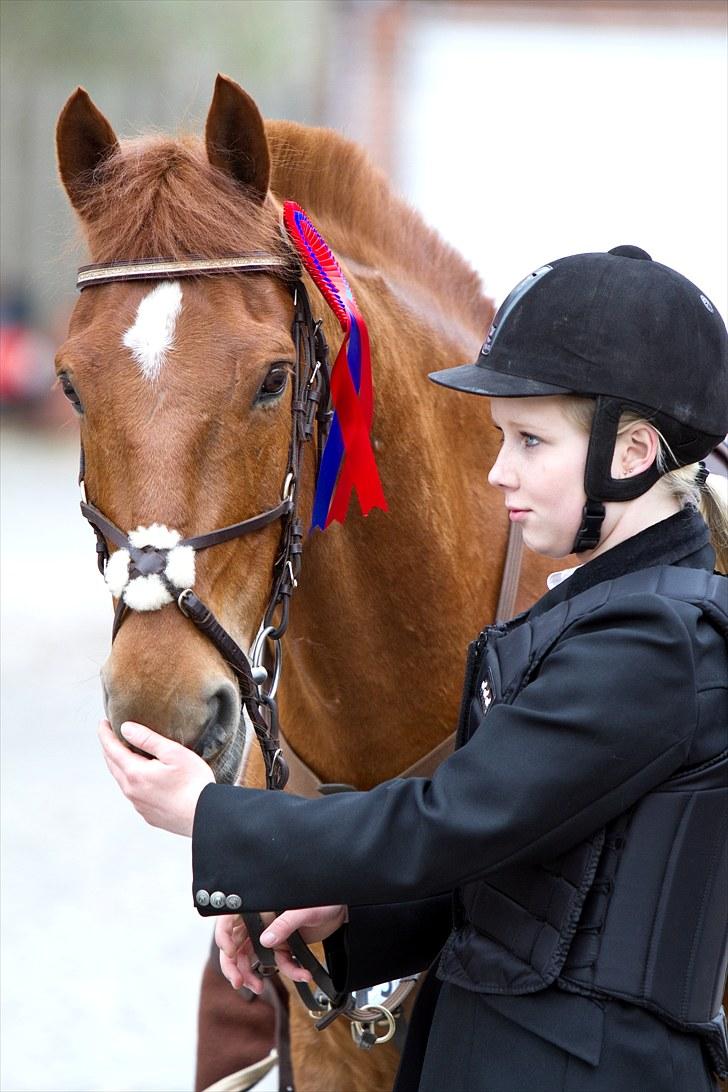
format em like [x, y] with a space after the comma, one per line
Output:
[539, 545]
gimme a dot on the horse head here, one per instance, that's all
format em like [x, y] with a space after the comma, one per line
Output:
[183, 392]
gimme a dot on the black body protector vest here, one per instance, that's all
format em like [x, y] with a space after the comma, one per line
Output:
[597, 921]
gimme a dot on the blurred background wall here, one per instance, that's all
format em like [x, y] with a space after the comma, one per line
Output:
[523, 131]
[148, 65]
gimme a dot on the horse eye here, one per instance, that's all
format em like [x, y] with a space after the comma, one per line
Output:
[70, 392]
[274, 383]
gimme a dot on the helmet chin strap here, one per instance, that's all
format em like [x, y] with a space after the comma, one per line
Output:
[587, 537]
[599, 485]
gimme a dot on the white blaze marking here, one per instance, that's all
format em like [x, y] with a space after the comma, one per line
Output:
[152, 335]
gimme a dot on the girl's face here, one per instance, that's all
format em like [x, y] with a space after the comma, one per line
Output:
[540, 470]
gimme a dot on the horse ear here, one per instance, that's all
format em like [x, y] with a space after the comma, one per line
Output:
[84, 139]
[235, 138]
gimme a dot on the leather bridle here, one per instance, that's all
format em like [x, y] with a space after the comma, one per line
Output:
[311, 418]
[257, 676]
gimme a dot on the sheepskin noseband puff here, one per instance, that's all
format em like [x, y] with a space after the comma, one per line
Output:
[147, 573]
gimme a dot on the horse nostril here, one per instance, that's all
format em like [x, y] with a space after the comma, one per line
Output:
[222, 719]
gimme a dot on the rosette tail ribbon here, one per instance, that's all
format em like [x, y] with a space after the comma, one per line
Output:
[347, 462]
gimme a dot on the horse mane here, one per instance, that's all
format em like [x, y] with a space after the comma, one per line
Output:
[159, 196]
[361, 216]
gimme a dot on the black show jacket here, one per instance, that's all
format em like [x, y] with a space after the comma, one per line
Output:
[612, 713]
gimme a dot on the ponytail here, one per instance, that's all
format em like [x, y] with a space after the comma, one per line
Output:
[709, 494]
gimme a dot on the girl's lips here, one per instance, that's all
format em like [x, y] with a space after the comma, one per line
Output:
[515, 514]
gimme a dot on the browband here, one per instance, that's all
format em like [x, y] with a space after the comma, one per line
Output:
[163, 268]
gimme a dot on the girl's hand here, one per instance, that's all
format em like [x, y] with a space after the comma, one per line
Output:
[237, 955]
[164, 788]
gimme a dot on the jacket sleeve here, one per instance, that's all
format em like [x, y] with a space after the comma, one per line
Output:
[610, 715]
[381, 943]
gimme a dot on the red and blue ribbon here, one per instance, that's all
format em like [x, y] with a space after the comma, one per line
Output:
[347, 461]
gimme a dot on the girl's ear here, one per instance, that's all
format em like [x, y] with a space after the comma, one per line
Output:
[636, 449]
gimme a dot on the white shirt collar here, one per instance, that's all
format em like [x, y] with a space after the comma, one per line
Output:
[554, 579]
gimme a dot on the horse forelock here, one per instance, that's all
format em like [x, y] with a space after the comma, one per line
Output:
[159, 196]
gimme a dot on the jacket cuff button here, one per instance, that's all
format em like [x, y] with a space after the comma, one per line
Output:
[202, 897]
[217, 900]
[233, 902]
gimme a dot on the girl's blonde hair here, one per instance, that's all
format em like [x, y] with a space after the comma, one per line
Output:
[685, 483]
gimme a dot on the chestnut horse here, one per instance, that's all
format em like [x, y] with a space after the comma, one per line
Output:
[185, 421]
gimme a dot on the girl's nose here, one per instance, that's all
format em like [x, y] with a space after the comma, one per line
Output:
[500, 475]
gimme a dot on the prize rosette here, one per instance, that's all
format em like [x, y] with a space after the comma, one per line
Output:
[347, 461]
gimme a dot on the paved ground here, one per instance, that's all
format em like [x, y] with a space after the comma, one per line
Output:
[101, 949]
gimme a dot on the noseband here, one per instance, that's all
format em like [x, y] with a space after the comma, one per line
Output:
[156, 564]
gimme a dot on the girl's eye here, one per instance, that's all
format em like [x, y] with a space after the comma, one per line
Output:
[70, 392]
[529, 440]
[274, 383]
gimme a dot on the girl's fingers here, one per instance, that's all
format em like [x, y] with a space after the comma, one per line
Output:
[287, 965]
[239, 973]
[314, 923]
[237, 955]
[245, 954]
[229, 931]
[244, 961]
[230, 971]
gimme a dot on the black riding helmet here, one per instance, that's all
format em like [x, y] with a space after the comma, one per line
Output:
[630, 332]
